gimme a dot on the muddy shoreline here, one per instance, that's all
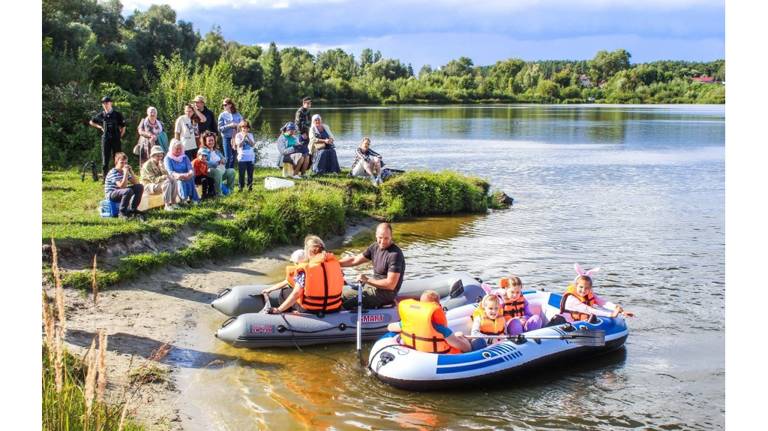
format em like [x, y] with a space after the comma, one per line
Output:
[165, 306]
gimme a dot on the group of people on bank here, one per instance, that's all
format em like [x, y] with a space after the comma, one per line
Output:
[204, 149]
[317, 286]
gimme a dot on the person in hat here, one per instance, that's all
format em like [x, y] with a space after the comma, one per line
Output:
[303, 116]
[112, 126]
[229, 121]
[293, 156]
[200, 165]
[156, 180]
[210, 123]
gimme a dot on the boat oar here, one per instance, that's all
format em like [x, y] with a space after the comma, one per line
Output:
[594, 338]
[359, 334]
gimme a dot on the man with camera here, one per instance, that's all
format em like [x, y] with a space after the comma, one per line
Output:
[112, 126]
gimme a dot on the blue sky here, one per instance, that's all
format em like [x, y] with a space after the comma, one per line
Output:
[434, 32]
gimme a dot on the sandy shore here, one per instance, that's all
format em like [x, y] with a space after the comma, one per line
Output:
[165, 307]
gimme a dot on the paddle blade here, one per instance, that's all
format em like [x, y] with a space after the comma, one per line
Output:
[591, 338]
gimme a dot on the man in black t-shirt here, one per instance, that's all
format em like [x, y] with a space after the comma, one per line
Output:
[211, 123]
[112, 126]
[388, 271]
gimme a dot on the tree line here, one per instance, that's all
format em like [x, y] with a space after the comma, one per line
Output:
[151, 58]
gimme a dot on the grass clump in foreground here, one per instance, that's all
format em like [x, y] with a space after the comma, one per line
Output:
[248, 223]
[74, 388]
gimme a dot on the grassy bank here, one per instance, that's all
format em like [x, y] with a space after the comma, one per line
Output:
[245, 223]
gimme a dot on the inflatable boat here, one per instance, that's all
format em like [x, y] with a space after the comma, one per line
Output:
[410, 369]
[237, 300]
[257, 330]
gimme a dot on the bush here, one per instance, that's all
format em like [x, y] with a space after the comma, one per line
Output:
[422, 193]
[290, 214]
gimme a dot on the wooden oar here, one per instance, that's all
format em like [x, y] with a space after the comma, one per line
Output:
[595, 338]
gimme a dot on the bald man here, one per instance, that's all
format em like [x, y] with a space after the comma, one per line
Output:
[388, 271]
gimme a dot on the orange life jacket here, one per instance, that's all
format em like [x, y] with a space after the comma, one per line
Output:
[323, 283]
[417, 332]
[589, 300]
[492, 326]
[514, 308]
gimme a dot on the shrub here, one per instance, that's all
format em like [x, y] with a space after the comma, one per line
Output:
[422, 193]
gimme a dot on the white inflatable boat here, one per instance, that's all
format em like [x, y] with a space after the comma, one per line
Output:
[410, 369]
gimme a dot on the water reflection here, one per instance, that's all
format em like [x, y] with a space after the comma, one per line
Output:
[636, 190]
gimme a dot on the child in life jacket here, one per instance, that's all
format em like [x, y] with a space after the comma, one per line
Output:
[488, 319]
[419, 334]
[516, 309]
[297, 257]
[579, 303]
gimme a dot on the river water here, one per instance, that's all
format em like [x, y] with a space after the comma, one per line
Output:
[636, 190]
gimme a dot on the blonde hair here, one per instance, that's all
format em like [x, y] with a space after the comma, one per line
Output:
[430, 296]
[311, 241]
[489, 298]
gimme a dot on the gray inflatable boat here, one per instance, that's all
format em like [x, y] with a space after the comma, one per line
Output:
[257, 330]
[237, 300]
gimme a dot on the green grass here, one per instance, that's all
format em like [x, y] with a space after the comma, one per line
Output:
[248, 222]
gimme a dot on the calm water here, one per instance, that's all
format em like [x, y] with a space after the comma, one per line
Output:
[638, 191]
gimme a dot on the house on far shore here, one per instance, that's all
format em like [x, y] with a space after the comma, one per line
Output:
[584, 81]
[704, 79]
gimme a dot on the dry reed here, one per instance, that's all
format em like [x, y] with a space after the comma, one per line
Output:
[61, 315]
[102, 380]
[94, 283]
[90, 378]
[48, 327]
[160, 352]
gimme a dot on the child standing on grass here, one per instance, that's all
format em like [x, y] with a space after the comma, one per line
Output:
[246, 156]
[200, 165]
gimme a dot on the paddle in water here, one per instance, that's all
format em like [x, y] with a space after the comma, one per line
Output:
[595, 338]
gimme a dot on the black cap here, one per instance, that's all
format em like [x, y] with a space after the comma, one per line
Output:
[306, 99]
[106, 99]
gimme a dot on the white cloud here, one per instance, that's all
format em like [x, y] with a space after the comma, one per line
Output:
[437, 5]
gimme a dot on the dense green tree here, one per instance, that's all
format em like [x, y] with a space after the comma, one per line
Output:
[210, 49]
[459, 67]
[606, 64]
[335, 63]
[245, 64]
[271, 64]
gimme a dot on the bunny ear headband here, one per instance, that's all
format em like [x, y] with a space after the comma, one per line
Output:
[580, 271]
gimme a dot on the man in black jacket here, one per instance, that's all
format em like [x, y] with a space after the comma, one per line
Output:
[112, 126]
[303, 116]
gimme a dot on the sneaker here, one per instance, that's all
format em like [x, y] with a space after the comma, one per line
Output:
[195, 203]
[170, 207]
[140, 215]
[297, 177]
[374, 182]
[124, 215]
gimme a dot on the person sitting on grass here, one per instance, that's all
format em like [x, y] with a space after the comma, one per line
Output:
[424, 327]
[291, 152]
[200, 166]
[217, 164]
[120, 185]
[156, 180]
[180, 168]
[367, 162]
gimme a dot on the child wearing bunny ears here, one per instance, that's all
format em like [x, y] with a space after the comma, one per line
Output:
[579, 303]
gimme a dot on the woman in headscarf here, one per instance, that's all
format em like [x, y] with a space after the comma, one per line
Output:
[179, 167]
[324, 160]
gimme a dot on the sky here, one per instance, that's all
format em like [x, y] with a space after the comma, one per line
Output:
[437, 31]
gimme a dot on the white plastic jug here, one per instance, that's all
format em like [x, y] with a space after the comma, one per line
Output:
[272, 183]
